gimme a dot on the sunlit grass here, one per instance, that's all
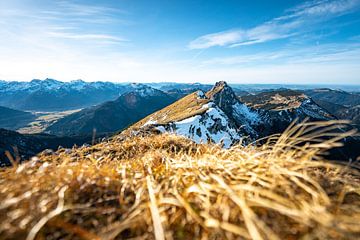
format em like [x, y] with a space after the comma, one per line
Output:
[167, 187]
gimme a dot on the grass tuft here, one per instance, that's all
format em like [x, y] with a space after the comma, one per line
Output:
[167, 187]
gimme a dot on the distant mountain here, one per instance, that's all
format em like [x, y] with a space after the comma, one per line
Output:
[343, 105]
[115, 115]
[351, 113]
[180, 93]
[278, 108]
[334, 96]
[342, 112]
[13, 119]
[51, 95]
[24, 146]
[220, 116]
[184, 86]
[333, 108]
[240, 92]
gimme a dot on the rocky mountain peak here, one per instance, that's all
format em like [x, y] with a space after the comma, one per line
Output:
[225, 98]
[222, 95]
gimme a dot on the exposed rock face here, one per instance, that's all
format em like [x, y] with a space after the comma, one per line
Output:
[243, 117]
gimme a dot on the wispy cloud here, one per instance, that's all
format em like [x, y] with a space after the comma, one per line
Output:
[87, 10]
[323, 54]
[64, 20]
[86, 36]
[295, 21]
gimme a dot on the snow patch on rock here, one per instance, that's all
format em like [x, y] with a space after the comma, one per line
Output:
[243, 111]
[211, 126]
[200, 94]
[150, 122]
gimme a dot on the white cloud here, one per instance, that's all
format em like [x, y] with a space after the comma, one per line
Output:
[86, 10]
[86, 36]
[323, 7]
[61, 19]
[296, 21]
[322, 54]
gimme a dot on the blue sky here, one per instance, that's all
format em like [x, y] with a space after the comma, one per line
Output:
[183, 41]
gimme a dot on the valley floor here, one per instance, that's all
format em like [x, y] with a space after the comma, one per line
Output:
[43, 120]
[168, 187]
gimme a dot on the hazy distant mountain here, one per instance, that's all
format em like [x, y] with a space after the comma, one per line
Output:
[334, 96]
[13, 119]
[115, 115]
[25, 146]
[278, 108]
[343, 105]
[50, 95]
[333, 108]
[352, 114]
[342, 112]
[185, 86]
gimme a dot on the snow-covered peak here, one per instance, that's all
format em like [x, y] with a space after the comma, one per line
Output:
[51, 84]
[144, 90]
[77, 84]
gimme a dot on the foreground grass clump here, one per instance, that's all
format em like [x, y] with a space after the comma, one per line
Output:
[167, 187]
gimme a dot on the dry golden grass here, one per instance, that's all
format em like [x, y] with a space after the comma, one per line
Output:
[186, 107]
[167, 187]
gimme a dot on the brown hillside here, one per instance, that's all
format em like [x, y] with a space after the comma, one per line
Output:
[186, 107]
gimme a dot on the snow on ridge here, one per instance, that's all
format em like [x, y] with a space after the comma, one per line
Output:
[200, 94]
[161, 129]
[213, 125]
[150, 122]
[241, 110]
[208, 105]
[144, 90]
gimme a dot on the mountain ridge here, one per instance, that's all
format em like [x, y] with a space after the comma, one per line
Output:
[220, 116]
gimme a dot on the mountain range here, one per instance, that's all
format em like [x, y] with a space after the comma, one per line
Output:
[53, 95]
[203, 113]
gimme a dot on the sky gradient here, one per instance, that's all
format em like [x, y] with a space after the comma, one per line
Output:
[277, 41]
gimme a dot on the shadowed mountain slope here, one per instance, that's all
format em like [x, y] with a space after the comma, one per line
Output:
[13, 119]
[115, 115]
